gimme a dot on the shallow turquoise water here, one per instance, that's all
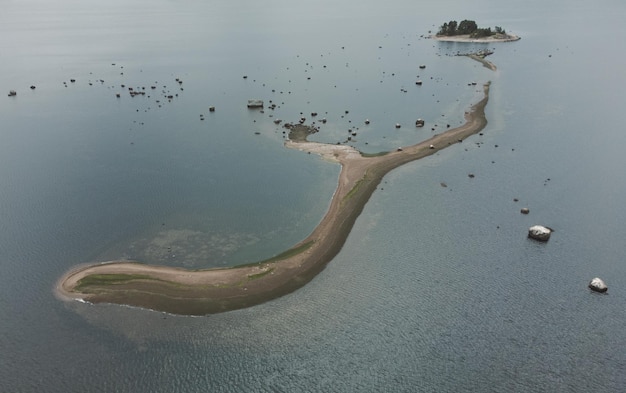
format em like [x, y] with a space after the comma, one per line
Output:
[437, 288]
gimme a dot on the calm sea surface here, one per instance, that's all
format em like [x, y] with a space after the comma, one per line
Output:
[437, 288]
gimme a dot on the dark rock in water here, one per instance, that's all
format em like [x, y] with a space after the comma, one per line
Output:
[539, 232]
[419, 123]
[597, 285]
[12, 93]
[211, 109]
[525, 210]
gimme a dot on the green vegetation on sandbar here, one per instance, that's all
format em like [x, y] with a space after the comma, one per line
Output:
[379, 154]
[468, 27]
[287, 254]
[354, 189]
[108, 279]
[259, 275]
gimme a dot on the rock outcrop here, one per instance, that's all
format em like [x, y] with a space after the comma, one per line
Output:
[539, 232]
[597, 285]
[255, 103]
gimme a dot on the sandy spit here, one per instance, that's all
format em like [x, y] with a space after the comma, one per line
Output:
[200, 292]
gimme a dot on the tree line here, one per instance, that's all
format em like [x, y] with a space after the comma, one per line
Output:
[468, 27]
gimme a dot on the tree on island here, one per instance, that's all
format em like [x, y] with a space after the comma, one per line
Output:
[468, 27]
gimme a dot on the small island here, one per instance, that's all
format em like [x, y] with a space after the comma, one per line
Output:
[468, 31]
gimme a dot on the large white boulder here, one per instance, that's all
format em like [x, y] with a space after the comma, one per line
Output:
[598, 285]
[539, 232]
[255, 103]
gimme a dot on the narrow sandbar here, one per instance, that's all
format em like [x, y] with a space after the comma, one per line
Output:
[199, 292]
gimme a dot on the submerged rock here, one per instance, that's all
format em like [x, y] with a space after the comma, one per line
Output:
[539, 232]
[598, 285]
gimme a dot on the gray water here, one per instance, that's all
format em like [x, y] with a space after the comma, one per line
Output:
[437, 288]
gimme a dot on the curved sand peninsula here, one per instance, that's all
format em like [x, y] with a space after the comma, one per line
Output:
[199, 292]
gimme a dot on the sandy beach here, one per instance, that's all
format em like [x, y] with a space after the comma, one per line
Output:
[467, 38]
[199, 292]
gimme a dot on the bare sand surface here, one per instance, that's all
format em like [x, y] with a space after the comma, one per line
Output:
[199, 292]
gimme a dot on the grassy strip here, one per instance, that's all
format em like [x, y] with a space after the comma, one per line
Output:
[289, 253]
[284, 255]
[354, 189]
[379, 154]
[108, 279]
[259, 275]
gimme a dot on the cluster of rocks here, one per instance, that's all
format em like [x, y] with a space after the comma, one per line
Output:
[252, 104]
[482, 53]
[299, 132]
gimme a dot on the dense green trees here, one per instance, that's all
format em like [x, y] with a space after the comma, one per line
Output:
[468, 27]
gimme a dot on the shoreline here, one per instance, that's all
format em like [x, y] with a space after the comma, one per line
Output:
[467, 38]
[200, 292]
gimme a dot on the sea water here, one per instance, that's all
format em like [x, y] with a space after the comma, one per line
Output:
[437, 287]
